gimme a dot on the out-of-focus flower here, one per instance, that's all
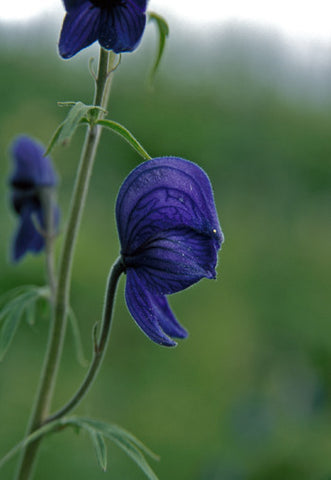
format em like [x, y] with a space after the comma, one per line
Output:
[169, 234]
[32, 182]
[118, 25]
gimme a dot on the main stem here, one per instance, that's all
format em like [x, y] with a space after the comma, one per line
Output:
[59, 320]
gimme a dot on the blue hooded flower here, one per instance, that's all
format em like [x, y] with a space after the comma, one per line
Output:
[118, 25]
[170, 235]
[32, 177]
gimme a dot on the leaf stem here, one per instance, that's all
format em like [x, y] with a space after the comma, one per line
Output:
[99, 346]
[58, 327]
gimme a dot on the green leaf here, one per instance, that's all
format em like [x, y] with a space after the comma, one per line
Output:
[69, 126]
[77, 338]
[100, 448]
[54, 140]
[163, 29]
[122, 433]
[41, 432]
[8, 330]
[133, 447]
[30, 313]
[79, 114]
[127, 135]
[15, 292]
[13, 306]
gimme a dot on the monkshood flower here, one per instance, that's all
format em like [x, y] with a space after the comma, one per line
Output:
[118, 25]
[170, 235]
[32, 181]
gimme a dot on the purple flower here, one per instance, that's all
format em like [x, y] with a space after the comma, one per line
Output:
[33, 177]
[169, 234]
[118, 25]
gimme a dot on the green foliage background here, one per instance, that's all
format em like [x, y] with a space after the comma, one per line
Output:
[248, 394]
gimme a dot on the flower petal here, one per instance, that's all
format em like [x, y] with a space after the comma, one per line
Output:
[148, 311]
[121, 27]
[175, 260]
[80, 28]
[31, 167]
[138, 4]
[27, 238]
[164, 194]
[70, 4]
[167, 320]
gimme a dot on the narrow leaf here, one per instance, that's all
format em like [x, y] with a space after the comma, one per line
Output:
[163, 30]
[136, 456]
[14, 305]
[15, 292]
[8, 330]
[20, 300]
[123, 439]
[30, 313]
[121, 432]
[100, 448]
[42, 431]
[110, 429]
[79, 114]
[127, 135]
[54, 140]
[76, 113]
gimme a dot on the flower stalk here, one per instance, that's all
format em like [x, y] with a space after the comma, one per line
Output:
[61, 304]
[100, 345]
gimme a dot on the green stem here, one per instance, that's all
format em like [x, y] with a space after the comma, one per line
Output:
[58, 327]
[99, 346]
[47, 195]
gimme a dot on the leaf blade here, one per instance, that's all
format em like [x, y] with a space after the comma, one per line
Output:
[100, 448]
[163, 30]
[126, 135]
[15, 304]
[8, 330]
[123, 441]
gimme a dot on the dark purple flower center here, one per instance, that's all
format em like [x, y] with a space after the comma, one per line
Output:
[108, 4]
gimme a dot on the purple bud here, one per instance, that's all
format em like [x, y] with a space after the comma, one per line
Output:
[33, 176]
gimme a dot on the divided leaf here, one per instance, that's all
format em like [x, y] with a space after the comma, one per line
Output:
[13, 306]
[97, 431]
[8, 330]
[79, 114]
[133, 447]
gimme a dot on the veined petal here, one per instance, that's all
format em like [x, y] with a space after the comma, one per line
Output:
[27, 238]
[163, 194]
[170, 235]
[138, 4]
[80, 28]
[121, 27]
[174, 260]
[31, 168]
[148, 311]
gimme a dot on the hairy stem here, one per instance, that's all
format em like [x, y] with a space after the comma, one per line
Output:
[61, 305]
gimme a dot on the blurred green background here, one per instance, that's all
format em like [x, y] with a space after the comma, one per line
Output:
[248, 395]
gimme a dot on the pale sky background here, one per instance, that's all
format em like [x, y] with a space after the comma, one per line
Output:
[306, 19]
